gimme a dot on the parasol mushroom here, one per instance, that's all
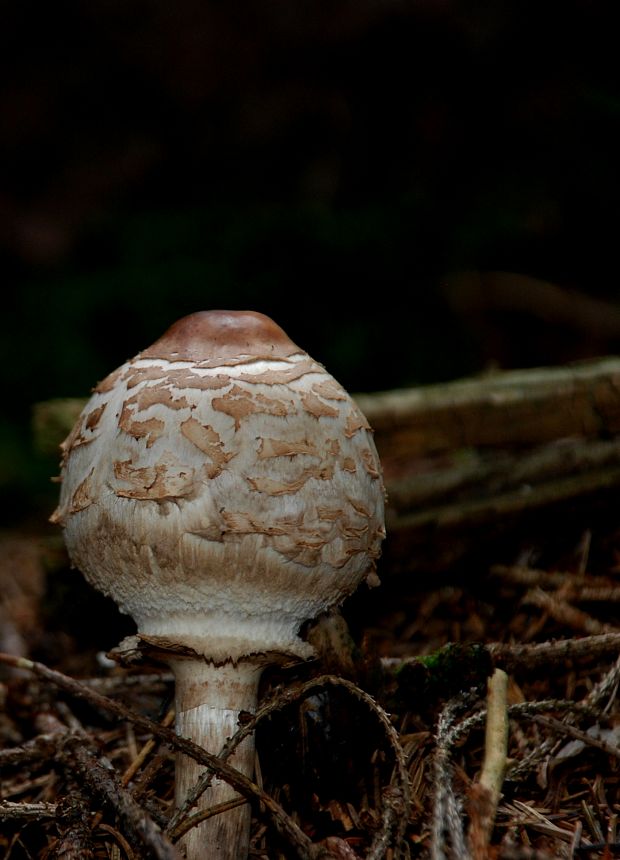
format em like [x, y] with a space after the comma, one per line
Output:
[223, 489]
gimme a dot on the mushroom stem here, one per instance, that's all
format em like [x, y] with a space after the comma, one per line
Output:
[208, 699]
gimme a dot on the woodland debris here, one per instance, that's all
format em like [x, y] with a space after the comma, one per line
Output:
[464, 457]
[562, 687]
[485, 794]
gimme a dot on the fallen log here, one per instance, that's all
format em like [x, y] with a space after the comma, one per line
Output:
[470, 460]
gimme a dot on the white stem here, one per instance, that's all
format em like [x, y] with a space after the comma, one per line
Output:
[208, 701]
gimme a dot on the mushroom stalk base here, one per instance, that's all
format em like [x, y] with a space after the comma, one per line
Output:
[208, 701]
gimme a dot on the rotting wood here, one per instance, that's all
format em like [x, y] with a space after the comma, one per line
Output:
[572, 732]
[513, 657]
[475, 455]
[499, 410]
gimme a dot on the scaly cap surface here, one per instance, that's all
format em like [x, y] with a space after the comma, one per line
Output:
[223, 488]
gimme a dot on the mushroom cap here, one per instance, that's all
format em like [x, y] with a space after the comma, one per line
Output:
[222, 488]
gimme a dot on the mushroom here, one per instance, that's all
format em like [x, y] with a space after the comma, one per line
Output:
[222, 488]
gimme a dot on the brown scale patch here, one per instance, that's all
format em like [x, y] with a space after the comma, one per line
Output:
[349, 549]
[67, 444]
[285, 448]
[330, 390]
[150, 429]
[109, 383]
[236, 361]
[160, 395]
[360, 507]
[93, 418]
[355, 422]
[316, 407]
[281, 376]
[166, 480]
[373, 545]
[212, 531]
[176, 377]
[279, 488]
[81, 498]
[239, 403]
[135, 375]
[370, 463]
[207, 440]
[58, 517]
[348, 530]
[211, 470]
[196, 381]
[73, 441]
[348, 465]
[329, 514]
[304, 552]
[244, 523]
[333, 447]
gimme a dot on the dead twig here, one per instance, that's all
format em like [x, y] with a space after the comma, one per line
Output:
[38, 749]
[564, 613]
[188, 821]
[285, 826]
[120, 839]
[523, 852]
[485, 794]
[606, 688]
[145, 752]
[516, 574]
[74, 826]
[511, 657]
[447, 834]
[566, 729]
[27, 811]
[77, 755]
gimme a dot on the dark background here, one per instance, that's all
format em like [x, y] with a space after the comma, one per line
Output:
[414, 190]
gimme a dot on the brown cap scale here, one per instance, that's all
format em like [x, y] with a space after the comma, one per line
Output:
[223, 488]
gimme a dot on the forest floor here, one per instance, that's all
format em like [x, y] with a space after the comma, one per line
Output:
[374, 750]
